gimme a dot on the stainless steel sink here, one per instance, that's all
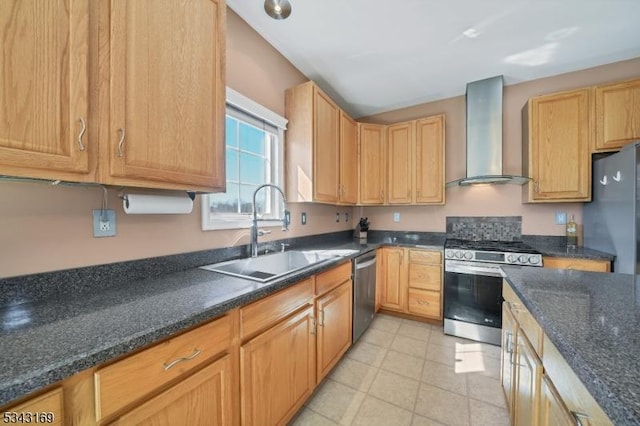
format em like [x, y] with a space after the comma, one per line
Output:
[271, 266]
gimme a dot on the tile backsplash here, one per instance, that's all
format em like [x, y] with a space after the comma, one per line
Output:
[483, 228]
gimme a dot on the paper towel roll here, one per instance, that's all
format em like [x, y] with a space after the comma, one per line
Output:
[157, 204]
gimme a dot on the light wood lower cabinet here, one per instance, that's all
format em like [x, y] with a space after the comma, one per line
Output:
[334, 327]
[539, 385]
[411, 281]
[595, 265]
[48, 408]
[204, 398]
[277, 370]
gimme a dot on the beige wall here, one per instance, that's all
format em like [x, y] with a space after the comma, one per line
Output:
[491, 200]
[44, 228]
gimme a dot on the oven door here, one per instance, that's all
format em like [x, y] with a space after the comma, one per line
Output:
[473, 293]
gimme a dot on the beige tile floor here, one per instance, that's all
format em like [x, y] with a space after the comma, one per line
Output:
[404, 372]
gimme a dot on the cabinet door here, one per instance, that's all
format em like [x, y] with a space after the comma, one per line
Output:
[48, 406]
[201, 399]
[394, 280]
[44, 88]
[167, 93]
[277, 370]
[429, 161]
[326, 141]
[559, 156]
[528, 376]
[553, 412]
[372, 143]
[348, 160]
[617, 115]
[399, 146]
[334, 327]
[507, 357]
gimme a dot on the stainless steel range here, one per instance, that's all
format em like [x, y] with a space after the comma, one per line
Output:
[473, 285]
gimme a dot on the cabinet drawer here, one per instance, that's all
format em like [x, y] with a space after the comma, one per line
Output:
[50, 402]
[525, 320]
[424, 302]
[423, 256]
[570, 388]
[577, 264]
[130, 379]
[426, 277]
[331, 279]
[268, 311]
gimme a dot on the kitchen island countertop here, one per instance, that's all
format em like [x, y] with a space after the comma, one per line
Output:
[593, 319]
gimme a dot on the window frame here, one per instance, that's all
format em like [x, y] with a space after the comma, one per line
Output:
[211, 221]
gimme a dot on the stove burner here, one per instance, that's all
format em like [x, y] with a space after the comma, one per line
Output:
[509, 252]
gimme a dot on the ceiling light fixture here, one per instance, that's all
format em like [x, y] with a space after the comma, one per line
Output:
[277, 9]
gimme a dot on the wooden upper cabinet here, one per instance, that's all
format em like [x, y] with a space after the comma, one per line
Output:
[429, 161]
[372, 154]
[348, 191]
[312, 145]
[326, 142]
[617, 115]
[44, 89]
[556, 153]
[167, 94]
[399, 147]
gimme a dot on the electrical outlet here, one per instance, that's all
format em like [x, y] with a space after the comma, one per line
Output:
[346, 216]
[303, 218]
[396, 216]
[104, 223]
[337, 217]
[561, 218]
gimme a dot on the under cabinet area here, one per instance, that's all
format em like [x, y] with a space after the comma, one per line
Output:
[410, 281]
[118, 93]
[539, 385]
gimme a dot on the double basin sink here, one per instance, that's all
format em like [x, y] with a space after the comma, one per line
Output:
[272, 266]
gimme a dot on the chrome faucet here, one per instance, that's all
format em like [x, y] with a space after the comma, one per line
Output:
[255, 233]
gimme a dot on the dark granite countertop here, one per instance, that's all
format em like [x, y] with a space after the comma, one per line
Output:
[593, 319]
[557, 247]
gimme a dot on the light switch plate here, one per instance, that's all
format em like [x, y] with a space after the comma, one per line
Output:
[561, 218]
[396, 216]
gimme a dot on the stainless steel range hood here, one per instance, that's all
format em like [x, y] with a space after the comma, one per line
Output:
[484, 135]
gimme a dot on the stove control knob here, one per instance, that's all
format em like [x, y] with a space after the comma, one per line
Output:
[468, 255]
[458, 254]
[522, 259]
[449, 254]
[512, 259]
[534, 260]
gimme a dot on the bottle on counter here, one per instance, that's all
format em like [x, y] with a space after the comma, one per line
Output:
[572, 233]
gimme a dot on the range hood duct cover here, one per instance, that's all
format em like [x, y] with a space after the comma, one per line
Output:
[484, 135]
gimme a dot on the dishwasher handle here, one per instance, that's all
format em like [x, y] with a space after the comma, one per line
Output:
[365, 264]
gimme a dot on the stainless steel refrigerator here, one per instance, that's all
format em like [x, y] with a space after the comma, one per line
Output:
[611, 219]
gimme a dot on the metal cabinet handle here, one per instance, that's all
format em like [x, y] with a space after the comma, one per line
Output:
[313, 325]
[321, 322]
[195, 353]
[83, 129]
[422, 302]
[536, 187]
[121, 143]
[579, 417]
[509, 343]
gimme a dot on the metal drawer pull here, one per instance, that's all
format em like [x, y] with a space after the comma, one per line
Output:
[422, 302]
[195, 353]
[81, 134]
[579, 417]
[121, 143]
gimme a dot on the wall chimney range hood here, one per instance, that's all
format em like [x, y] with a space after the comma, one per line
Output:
[484, 135]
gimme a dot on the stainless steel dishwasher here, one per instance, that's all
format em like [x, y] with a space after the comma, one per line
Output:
[364, 292]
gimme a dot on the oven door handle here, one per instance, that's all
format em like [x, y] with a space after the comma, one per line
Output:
[466, 268]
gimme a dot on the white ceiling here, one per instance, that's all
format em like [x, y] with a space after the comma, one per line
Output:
[372, 56]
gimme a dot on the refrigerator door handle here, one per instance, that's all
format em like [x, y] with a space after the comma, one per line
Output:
[603, 181]
[618, 176]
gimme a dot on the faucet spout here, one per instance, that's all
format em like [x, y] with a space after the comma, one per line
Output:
[254, 226]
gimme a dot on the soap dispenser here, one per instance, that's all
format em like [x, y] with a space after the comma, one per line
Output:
[572, 234]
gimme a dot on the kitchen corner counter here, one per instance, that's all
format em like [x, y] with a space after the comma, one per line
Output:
[593, 319]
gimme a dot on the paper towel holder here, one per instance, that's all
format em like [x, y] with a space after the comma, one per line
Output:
[126, 196]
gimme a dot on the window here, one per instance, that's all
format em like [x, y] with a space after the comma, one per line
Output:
[254, 156]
